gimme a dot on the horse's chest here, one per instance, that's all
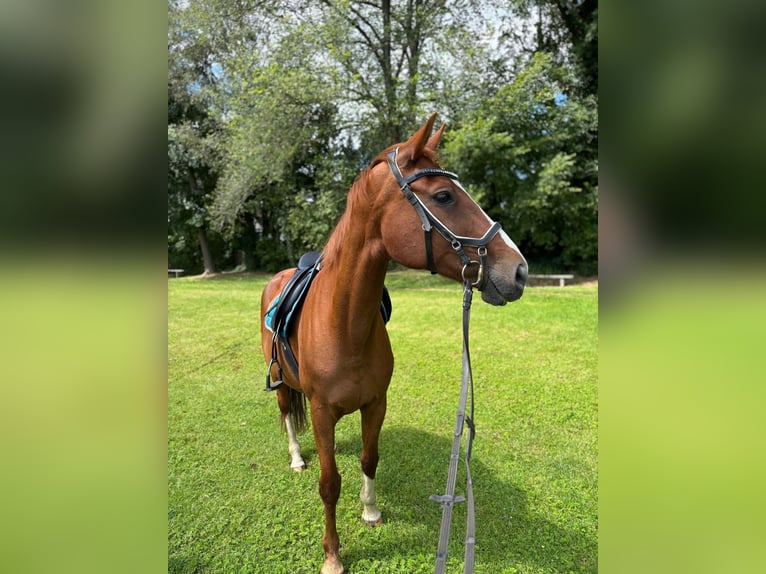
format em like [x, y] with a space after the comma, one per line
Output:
[350, 374]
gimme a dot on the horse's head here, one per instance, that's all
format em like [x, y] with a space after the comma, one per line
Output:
[428, 221]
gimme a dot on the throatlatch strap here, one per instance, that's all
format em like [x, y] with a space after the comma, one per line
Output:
[429, 252]
[449, 499]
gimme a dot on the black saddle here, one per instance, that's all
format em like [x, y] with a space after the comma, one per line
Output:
[289, 301]
[280, 318]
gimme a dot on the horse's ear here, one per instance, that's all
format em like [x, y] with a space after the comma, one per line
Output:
[419, 139]
[433, 141]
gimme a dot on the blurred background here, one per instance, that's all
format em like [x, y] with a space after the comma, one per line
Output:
[82, 288]
[682, 300]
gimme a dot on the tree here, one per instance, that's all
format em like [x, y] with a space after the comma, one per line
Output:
[190, 180]
[292, 97]
[396, 59]
[522, 152]
[192, 133]
[280, 142]
[580, 20]
[268, 116]
[378, 47]
[565, 29]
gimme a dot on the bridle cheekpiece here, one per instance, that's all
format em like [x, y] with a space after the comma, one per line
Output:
[430, 221]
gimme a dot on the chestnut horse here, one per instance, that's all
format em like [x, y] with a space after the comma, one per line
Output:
[340, 342]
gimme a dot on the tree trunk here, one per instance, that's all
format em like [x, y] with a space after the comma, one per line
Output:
[207, 256]
[389, 80]
[412, 32]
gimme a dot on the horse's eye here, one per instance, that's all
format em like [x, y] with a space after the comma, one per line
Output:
[443, 197]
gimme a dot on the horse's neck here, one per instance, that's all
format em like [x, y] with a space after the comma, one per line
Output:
[354, 274]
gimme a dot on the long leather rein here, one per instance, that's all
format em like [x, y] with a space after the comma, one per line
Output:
[448, 500]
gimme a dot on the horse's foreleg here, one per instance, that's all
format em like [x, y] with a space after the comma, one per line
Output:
[283, 399]
[372, 421]
[323, 422]
[370, 513]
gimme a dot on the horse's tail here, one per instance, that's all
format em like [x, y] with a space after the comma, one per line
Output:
[297, 412]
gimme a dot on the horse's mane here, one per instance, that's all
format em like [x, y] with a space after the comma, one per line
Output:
[357, 194]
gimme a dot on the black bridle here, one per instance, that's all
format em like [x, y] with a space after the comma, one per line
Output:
[430, 221]
[448, 500]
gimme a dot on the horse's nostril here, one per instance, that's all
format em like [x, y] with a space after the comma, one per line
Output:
[521, 274]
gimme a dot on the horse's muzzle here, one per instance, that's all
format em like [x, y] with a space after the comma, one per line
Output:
[502, 288]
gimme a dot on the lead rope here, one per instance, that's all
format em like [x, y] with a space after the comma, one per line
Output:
[449, 499]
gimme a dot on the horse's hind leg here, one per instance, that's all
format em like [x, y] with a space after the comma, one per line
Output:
[372, 421]
[285, 398]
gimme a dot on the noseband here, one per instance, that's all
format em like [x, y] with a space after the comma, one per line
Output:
[430, 221]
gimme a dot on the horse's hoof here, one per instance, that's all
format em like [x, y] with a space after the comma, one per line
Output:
[374, 523]
[300, 468]
[332, 567]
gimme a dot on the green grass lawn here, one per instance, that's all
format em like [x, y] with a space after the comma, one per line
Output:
[234, 505]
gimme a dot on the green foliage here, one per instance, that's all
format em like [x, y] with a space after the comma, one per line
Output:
[280, 149]
[388, 55]
[272, 255]
[194, 133]
[569, 32]
[311, 221]
[529, 154]
[274, 107]
[235, 506]
[282, 122]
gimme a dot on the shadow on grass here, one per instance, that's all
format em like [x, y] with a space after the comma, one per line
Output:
[414, 465]
[512, 536]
